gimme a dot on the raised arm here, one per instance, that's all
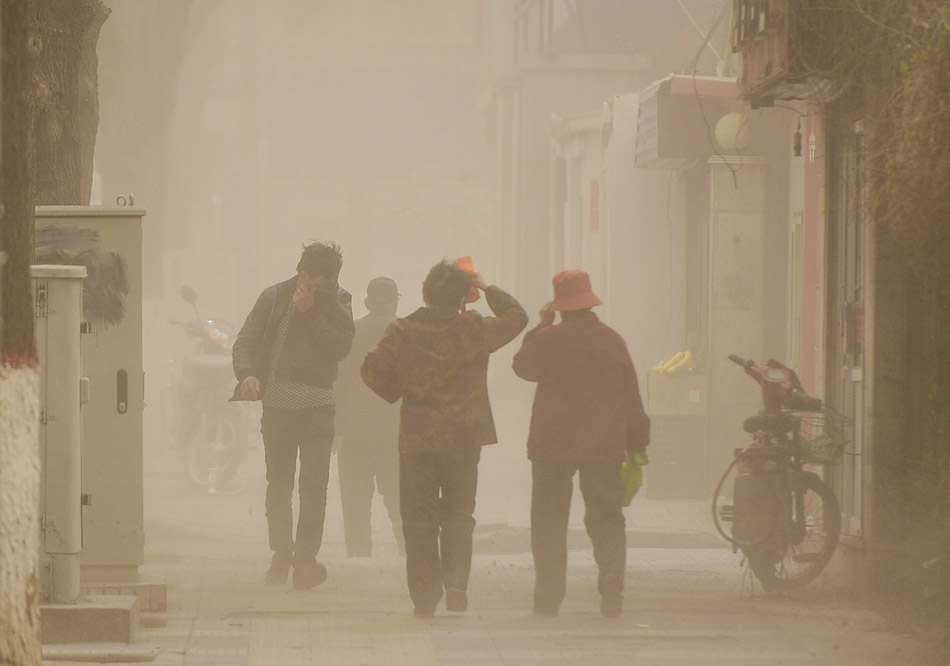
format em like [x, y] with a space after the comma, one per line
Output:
[529, 362]
[509, 320]
[330, 321]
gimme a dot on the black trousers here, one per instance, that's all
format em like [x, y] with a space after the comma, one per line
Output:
[601, 487]
[437, 498]
[287, 432]
[366, 466]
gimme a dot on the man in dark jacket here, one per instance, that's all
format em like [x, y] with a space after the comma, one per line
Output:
[368, 458]
[436, 360]
[587, 415]
[286, 355]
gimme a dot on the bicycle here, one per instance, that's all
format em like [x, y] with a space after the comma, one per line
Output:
[785, 518]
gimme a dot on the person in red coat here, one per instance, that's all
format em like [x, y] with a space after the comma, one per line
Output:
[587, 416]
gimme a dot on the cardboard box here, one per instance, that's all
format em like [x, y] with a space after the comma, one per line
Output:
[676, 395]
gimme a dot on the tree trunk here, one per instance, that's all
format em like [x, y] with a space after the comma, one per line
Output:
[67, 105]
[21, 45]
[19, 379]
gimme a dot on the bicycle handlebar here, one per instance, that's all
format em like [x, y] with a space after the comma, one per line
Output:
[791, 395]
[738, 360]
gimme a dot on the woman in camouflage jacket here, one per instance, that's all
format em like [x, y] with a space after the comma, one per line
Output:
[436, 361]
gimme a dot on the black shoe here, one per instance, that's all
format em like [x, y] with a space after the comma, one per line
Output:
[279, 568]
[455, 600]
[611, 606]
[309, 576]
[423, 612]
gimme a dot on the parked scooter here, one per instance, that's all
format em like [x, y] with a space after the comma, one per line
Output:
[210, 434]
[784, 517]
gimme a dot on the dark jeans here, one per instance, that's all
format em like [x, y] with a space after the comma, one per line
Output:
[552, 485]
[365, 468]
[437, 498]
[287, 431]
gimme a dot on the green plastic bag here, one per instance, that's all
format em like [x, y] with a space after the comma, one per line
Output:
[631, 473]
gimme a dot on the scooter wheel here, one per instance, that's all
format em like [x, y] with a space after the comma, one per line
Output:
[809, 540]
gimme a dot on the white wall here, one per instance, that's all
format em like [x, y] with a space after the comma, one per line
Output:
[643, 218]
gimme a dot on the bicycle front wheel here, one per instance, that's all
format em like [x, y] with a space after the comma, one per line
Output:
[808, 542]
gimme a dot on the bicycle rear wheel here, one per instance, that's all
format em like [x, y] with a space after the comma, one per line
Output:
[808, 543]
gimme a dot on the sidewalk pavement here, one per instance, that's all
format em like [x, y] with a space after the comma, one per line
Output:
[683, 606]
[688, 600]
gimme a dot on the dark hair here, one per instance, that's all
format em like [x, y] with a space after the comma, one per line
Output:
[446, 285]
[321, 258]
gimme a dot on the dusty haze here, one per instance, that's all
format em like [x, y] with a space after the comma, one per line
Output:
[247, 128]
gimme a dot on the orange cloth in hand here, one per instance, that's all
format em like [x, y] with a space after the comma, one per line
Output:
[466, 264]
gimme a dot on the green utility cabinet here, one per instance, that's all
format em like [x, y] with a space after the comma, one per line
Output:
[108, 242]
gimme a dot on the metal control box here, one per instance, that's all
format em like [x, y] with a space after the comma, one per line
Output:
[57, 298]
[108, 242]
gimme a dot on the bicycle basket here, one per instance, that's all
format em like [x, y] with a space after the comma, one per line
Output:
[823, 436]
